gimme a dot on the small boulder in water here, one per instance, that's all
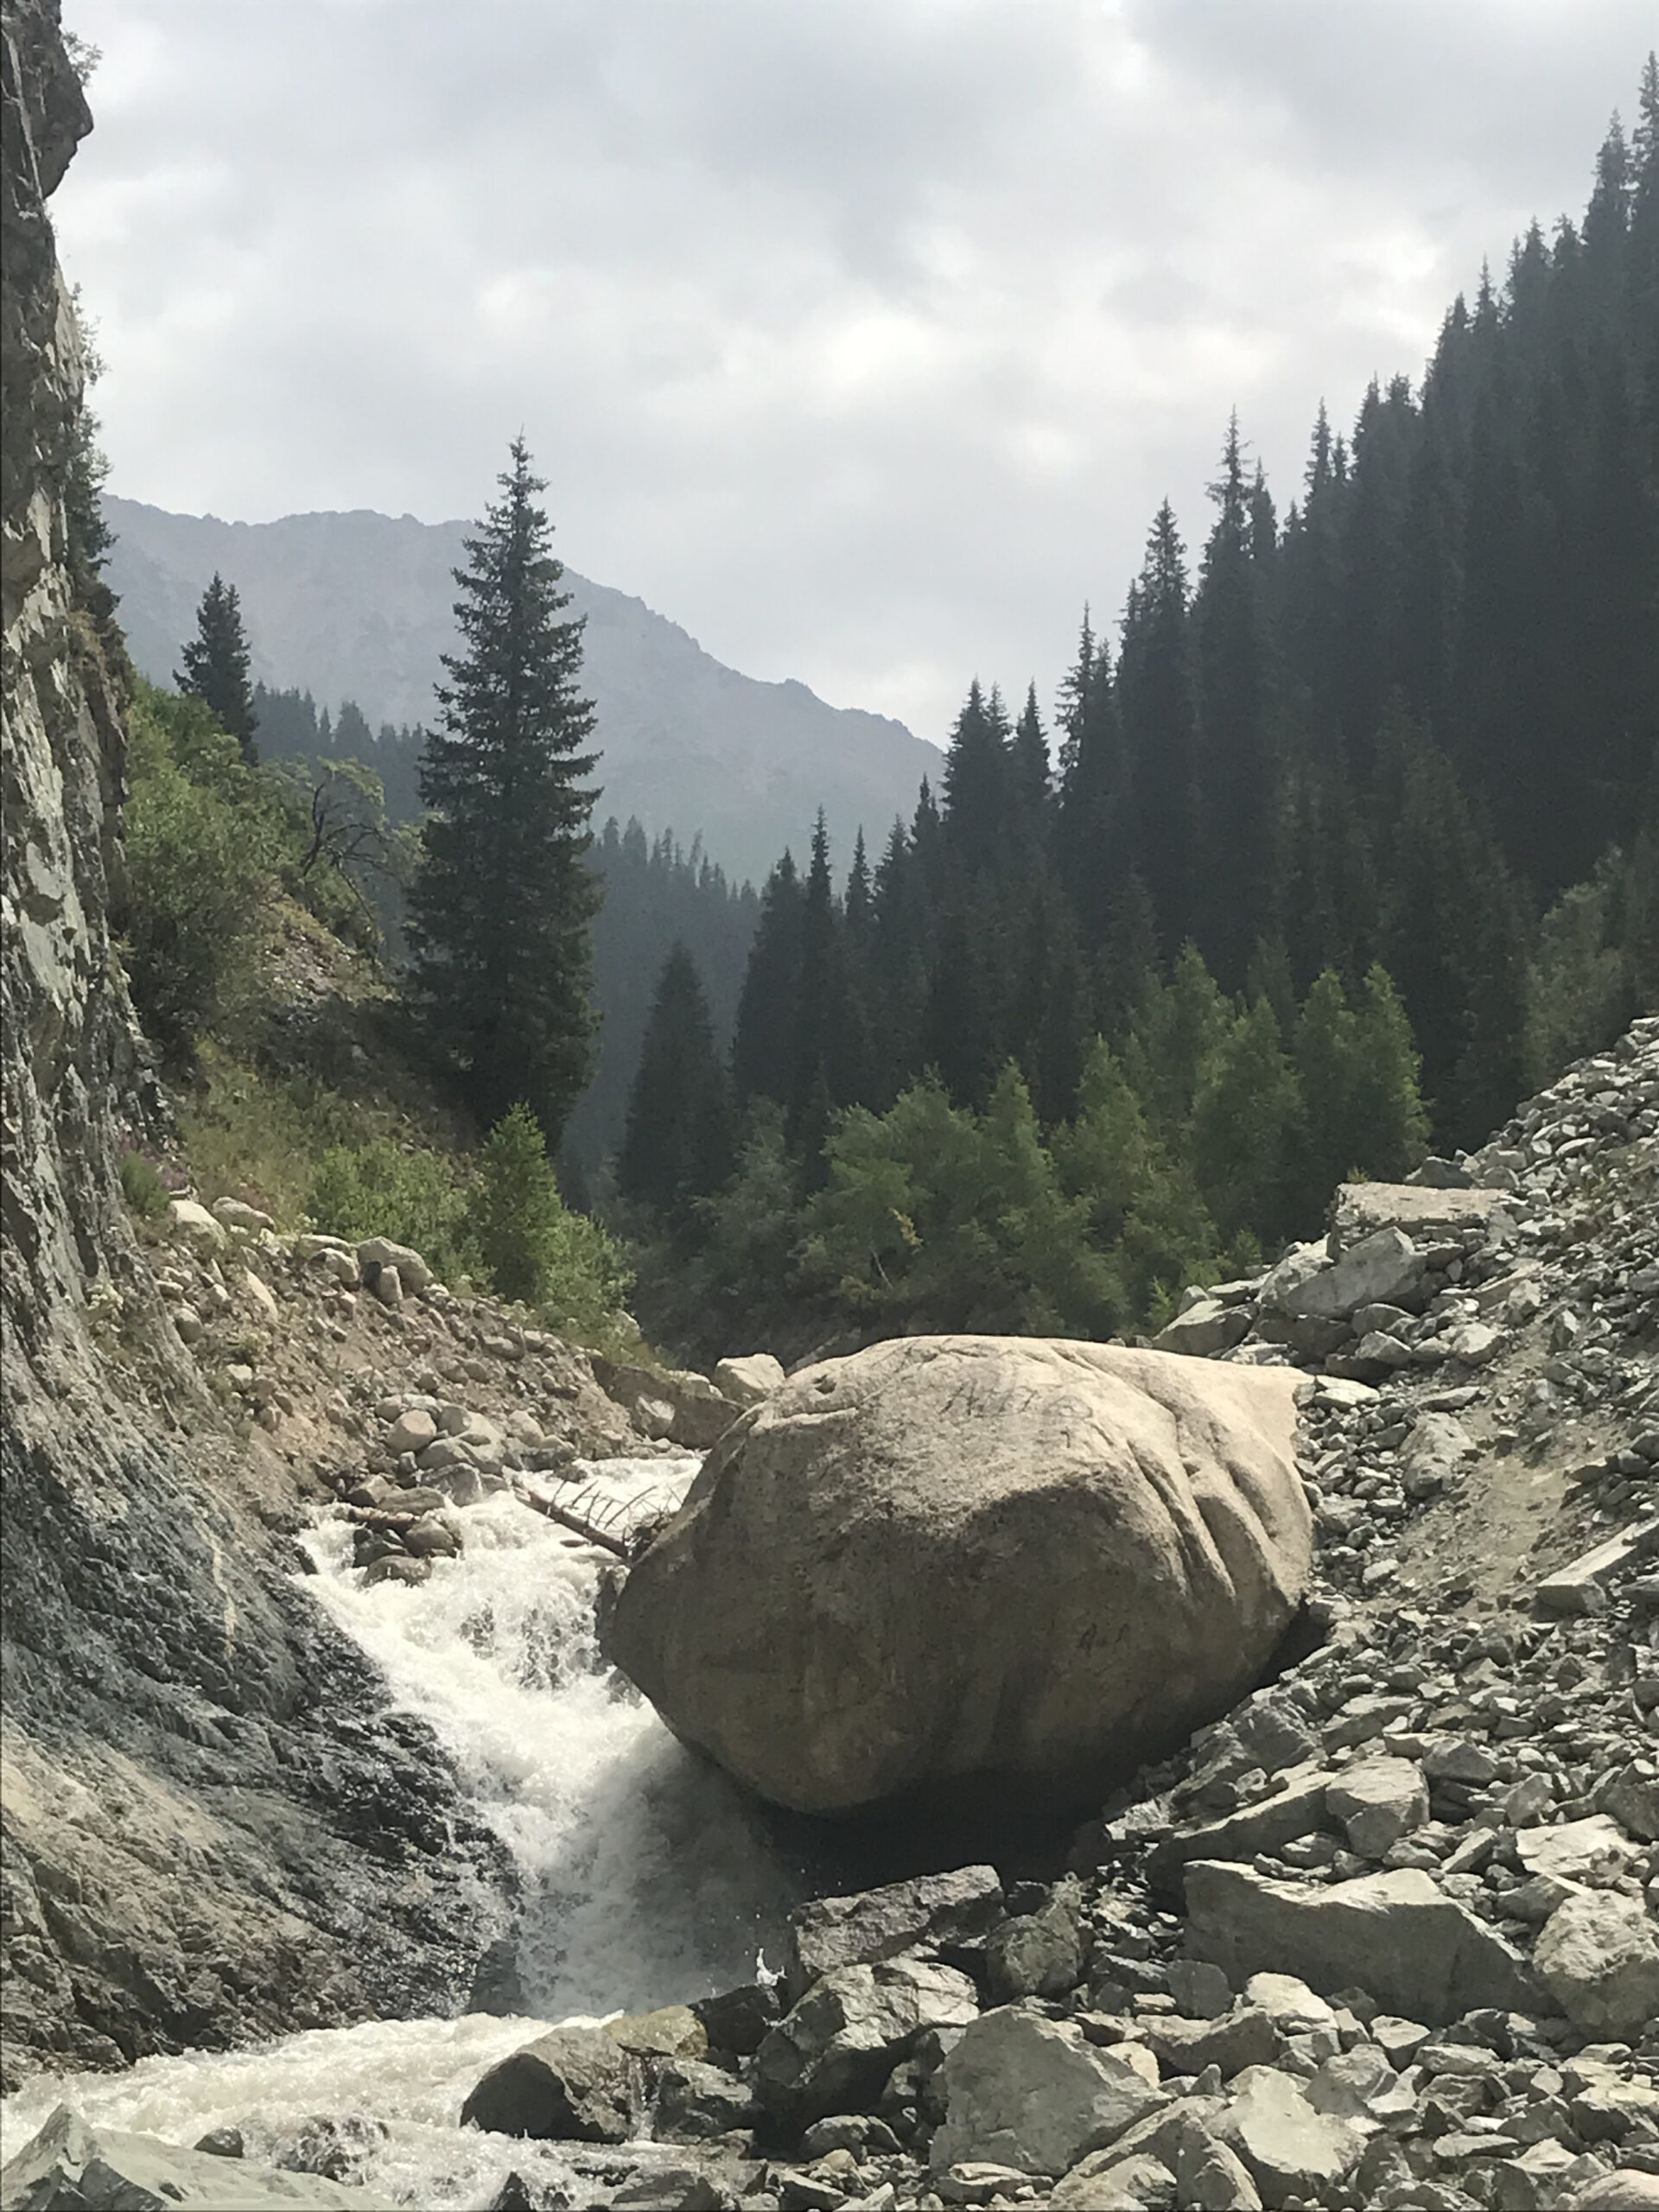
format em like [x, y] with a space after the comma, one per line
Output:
[574, 2085]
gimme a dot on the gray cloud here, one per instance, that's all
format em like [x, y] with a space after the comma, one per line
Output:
[859, 336]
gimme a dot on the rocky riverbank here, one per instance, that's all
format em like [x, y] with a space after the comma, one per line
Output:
[1384, 1935]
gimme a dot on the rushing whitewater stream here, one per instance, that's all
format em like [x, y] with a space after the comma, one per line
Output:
[645, 1880]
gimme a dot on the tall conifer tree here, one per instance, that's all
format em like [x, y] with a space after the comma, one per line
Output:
[216, 665]
[504, 897]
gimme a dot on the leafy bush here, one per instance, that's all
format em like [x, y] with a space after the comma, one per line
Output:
[534, 1249]
[383, 1189]
[141, 1187]
[200, 847]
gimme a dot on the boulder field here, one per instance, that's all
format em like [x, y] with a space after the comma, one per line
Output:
[981, 1568]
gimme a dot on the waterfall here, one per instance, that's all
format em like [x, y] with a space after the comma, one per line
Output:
[646, 1878]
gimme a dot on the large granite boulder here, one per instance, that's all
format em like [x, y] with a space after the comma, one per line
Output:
[975, 1568]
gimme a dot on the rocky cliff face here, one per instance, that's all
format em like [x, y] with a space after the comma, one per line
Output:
[211, 1828]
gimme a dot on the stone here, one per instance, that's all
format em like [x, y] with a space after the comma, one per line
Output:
[1474, 1343]
[236, 1213]
[738, 2021]
[1378, 1801]
[749, 1379]
[397, 1566]
[942, 1911]
[1360, 1210]
[1198, 1988]
[1630, 1794]
[1290, 2149]
[190, 1222]
[1118, 1537]
[697, 1414]
[1031, 2093]
[1104, 2182]
[1598, 1956]
[259, 1295]
[1246, 2036]
[388, 1286]
[1575, 1849]
[574, 2085]
[1432, 1455]
[1580, 1586]
[1210, 2176]
[413, 1273]
[695, 2101]
[672, 2031]
[411, 1431]
[833, 2050]
[1294, 2008]
[1630, 2190]
[1205, 1329]
[1395, 1935]
[1034, 1955]
[1384, 1269]
[71, 2163]
[1297, 1808]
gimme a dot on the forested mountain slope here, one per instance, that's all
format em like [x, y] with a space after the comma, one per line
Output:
[358, 606]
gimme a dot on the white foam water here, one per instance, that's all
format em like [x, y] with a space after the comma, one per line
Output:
[644, 1879]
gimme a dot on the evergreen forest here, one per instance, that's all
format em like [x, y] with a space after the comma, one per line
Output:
[1343, 836]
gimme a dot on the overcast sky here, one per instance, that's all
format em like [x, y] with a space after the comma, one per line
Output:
[861, 337]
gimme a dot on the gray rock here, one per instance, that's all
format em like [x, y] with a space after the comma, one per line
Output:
[695, 2101]
[747, 1380]
[413, 1273]
[411, 1431]
[1104, 2182]
[832, 2051]
[71, 2166]
[1205, 1329]
[1377, 1802]
[1631, 1795]
[1244, 2037]
[1432, 1455]
[1598, 1955]
[1034, 1955]
[1360, 1210]
[1383, 1268]
[1290, 2150]
[575, 2084]
[1580, 1588]
[1296, 1809]
[949, 1911]
[1575, 1849]
[1118, 1537]
[1030, 2093]
[1396, 1936]
[388, 1286]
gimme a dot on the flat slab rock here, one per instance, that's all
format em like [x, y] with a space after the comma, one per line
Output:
[1396, 1936]
[71, 2166]
[1360, 1209]
[959, 1908]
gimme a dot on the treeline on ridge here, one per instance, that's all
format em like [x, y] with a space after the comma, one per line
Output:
[1383, 772]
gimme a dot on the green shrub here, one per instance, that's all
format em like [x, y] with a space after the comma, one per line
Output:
[383, 1189]
[534, 1249]
[200, 846]
[142, 1187]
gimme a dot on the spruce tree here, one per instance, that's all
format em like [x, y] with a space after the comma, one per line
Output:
[216, 665]
[504, 897]
[679, 1143]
